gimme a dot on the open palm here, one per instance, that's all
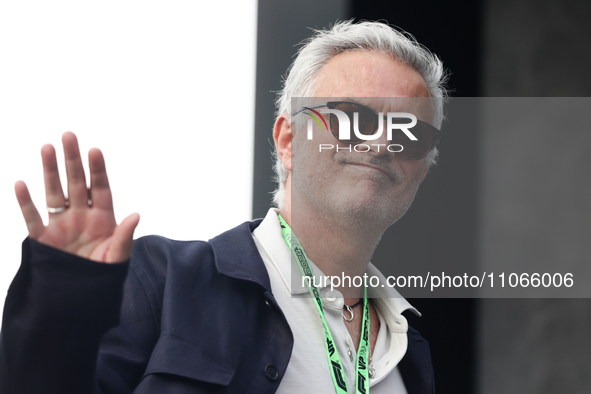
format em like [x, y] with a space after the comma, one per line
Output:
[87, 227]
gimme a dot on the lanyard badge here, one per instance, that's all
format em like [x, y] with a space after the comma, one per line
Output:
[334, 360]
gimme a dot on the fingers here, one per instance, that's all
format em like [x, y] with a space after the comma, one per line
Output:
[77, 191]
[122, 240]
[54, 193]
[30, 213]
[99, 182]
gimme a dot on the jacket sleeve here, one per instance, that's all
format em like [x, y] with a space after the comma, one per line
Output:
[61, 316]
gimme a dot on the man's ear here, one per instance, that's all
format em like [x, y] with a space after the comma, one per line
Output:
[282, 136]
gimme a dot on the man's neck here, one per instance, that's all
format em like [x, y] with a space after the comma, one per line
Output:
[337, 246]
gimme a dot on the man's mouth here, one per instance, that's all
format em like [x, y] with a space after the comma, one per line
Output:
[391, 174]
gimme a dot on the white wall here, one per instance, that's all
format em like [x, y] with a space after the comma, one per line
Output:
[165, 89]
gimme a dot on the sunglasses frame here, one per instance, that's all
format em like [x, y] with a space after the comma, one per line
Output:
[333, 105]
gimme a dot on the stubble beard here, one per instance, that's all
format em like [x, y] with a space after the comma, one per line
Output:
[371, 220]
[364, 218]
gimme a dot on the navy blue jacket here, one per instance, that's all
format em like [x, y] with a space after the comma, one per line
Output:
[180, 317]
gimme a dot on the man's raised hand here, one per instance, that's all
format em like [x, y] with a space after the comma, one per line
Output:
[87, 227]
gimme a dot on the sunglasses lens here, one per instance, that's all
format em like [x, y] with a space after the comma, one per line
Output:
[418, 149]
[367, 121]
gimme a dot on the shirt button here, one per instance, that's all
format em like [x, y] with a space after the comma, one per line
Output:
[271, 372]
[330, 296]
[349, 340]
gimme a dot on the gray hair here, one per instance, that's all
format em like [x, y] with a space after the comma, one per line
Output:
[366, 36]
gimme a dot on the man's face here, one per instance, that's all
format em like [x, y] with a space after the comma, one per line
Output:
[375, 187]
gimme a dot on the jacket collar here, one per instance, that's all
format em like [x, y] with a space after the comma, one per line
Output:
[416, 367]
[237, 256]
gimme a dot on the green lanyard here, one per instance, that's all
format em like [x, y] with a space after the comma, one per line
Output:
[334, 361]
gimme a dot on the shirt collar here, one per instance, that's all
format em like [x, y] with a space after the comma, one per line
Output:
[268, 234]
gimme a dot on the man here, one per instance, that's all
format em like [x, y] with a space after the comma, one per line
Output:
[225, 316]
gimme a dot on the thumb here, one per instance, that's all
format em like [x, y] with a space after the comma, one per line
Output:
[122, 240]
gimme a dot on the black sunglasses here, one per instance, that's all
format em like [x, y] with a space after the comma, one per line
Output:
[427, 135]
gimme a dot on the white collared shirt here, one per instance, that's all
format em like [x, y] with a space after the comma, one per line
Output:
[308, 367]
